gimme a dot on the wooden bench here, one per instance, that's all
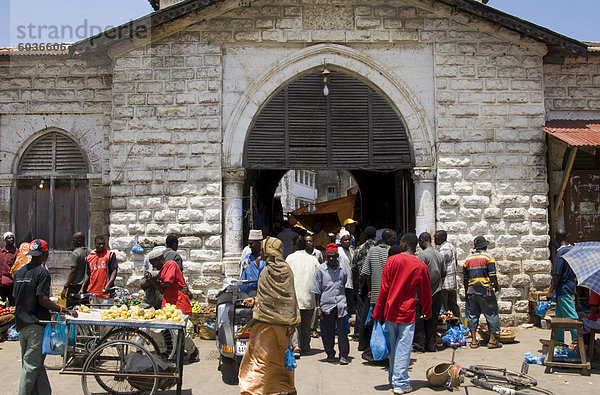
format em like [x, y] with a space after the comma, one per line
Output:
[566, 323]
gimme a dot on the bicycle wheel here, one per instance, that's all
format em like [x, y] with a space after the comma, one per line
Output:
[135, 335]
[503, 375]
[492, 386]
[113, 361]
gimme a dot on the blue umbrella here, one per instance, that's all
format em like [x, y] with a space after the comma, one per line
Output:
[584, 259]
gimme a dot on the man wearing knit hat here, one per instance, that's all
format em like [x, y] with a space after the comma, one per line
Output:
[8, 254]
[330, 297]
[480, 281]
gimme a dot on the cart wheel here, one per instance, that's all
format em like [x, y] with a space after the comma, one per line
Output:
[135, 335]
[119, 357]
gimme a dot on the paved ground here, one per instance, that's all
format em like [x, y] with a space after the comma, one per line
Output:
[317, 377]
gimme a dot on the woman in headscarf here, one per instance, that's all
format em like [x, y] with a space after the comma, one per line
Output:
[274, 318]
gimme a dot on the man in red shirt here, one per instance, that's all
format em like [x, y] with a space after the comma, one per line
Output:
[100, 272]
[169, 282]
[8, 254]
[403, 276]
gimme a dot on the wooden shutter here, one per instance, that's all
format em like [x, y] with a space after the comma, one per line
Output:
[53, 154]
[354, 127]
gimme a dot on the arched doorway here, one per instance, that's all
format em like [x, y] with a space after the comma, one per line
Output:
[52, 191]
[331, 119]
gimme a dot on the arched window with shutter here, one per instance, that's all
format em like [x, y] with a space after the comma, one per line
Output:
[52, 191]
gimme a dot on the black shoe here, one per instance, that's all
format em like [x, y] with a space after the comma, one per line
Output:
[330, 359]
[344, 361]
[368, 356]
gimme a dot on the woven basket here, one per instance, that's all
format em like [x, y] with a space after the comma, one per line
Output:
[206, 333]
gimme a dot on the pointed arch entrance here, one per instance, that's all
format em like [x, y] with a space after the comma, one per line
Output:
[281, 148]
[333, 121]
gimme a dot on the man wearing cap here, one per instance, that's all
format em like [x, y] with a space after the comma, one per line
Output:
[171, 284]
[328, 288]
[350, 226]
[152, 297]
[8, 254]
[303, 266]
[480, 282]
[252, 263]
[33, 305]
[100, 273]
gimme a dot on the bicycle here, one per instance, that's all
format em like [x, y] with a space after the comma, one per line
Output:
[501, 380]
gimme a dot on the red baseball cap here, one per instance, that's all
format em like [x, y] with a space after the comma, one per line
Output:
[37, 247]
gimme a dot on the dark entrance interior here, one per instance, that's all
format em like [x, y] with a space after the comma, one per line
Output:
[384, 199]
[331, 119]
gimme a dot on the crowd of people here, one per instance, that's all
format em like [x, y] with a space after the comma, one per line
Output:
[344, 284]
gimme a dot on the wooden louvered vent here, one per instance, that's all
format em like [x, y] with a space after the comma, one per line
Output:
[354, 127]
[53, 154]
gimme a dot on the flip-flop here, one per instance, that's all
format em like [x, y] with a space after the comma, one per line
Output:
[474, 345]
[494, 345]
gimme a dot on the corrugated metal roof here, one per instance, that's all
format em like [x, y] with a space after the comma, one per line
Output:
[578, 133]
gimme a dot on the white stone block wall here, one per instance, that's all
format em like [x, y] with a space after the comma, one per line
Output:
[572, 88]
[484, 102]
[165, 165]
[488, 110]
[53, 92]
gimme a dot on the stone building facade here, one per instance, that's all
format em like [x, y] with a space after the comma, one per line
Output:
[163, 119]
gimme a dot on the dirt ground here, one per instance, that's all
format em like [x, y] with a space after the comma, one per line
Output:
[314, 376]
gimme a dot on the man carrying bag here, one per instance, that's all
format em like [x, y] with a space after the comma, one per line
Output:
[32, 296]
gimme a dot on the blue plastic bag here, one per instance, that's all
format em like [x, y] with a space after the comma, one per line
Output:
[55, 338]
[530, 358]
[454, 337]
[137, 248]
[289, 360]
[12, 334]
[542, 308]
[369, 316]
[379, 347]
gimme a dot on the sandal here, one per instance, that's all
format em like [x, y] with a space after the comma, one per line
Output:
[474, 345]
[494, 345]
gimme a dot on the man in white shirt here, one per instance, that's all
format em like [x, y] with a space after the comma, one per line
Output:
[303, 266]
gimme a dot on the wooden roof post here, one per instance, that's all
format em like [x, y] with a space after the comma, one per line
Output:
[572, 155]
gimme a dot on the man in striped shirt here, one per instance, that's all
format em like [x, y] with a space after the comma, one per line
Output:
[480, 283]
